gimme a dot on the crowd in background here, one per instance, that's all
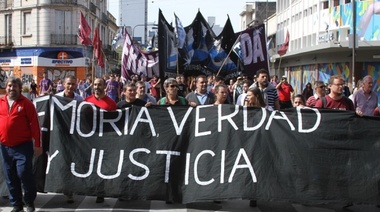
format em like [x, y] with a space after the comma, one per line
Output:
[272, 93]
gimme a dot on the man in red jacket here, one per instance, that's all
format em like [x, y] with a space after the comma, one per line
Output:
[20, 138]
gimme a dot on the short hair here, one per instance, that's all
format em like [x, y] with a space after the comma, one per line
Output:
[129, 84]
[262, 71]
[365, 79]
[71, 77]
[333, 77]
[14, 80]
[219, 86]
[100, 78]
[318, 83]
[200, 76]
[140, 83]
[169, 81]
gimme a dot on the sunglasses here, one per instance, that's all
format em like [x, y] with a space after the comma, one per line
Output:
[322, 86]
[173, 86]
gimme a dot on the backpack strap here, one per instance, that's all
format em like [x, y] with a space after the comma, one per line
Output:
[324, 102]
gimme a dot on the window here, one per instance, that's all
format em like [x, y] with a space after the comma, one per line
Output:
[325, 4]
[27, 29]
[8, 28]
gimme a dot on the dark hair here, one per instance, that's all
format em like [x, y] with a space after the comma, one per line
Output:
[219, 86]
[200, 76]
[262, 71]
[70, 77]
[219, 78]
[14, 80]
[129, 84]
[259, 96]
[301, 97]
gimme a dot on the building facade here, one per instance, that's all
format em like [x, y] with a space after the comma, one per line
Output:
[41, 36]
[328, 37]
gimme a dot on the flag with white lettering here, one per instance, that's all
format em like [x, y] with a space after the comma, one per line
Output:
[136, 61]
[253, 50]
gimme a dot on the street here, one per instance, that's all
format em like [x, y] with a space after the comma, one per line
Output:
[57, 202]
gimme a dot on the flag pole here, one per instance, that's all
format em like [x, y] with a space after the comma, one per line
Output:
[177, 62]
[93, 66]
[228, 55]
[279, 65]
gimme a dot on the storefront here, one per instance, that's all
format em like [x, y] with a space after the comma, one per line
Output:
[30, 63]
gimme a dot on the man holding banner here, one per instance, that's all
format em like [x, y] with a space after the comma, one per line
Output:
[70, 84]
[99, 98]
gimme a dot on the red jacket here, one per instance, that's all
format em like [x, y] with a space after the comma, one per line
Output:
[20, 124]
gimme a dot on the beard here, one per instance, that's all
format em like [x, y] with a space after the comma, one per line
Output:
[13, 94]
[98, 91]
[264, 83]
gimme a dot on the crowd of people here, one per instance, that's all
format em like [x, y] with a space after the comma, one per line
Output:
[110, 93]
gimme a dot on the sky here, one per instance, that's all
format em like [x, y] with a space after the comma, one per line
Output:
[187, 9]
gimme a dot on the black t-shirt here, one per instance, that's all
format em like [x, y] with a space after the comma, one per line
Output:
[182, 90]
[124, 104]
[33, 86]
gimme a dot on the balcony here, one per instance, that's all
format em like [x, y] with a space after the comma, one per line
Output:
[6, 41]
[64, 2]
[60, 39]
[92, 8]
[105, 18]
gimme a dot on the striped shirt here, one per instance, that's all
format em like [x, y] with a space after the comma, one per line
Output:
[269, 94]
[312, 100]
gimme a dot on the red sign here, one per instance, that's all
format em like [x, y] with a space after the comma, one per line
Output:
[62, 56]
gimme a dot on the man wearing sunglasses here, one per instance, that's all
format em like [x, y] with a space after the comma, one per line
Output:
[172, 97]
[320, 91]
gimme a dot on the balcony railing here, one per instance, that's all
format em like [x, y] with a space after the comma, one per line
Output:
[60, 39]
[64, 1]
[6, 41]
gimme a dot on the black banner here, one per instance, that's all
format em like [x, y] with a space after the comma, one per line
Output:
[214, 152]
[253, 49]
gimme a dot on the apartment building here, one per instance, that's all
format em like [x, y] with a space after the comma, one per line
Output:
[322, 35]
[41, 36]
